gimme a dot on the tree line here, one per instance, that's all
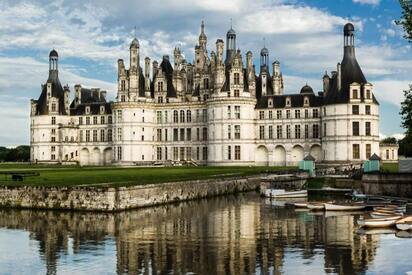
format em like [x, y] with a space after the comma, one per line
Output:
[18, 154]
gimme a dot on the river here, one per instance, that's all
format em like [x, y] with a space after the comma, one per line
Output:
[242, 234]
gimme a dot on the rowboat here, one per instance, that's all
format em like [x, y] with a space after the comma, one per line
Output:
[386, 222]
[300, 204]
[281, 193]
[404, 223]
[316, 206]
[388, 210]
[377, 215]
[343, 207]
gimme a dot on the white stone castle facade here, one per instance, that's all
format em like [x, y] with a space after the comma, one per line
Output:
[217, 111]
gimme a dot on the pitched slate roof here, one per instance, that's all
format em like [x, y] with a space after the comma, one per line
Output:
[296, 100]
[168, 71]
[56, 91]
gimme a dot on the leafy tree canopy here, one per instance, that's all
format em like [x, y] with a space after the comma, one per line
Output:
[406, 19]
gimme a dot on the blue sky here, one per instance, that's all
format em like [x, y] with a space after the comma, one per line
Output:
[305, 36]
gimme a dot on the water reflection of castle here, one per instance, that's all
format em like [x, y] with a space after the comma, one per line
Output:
[219, 236]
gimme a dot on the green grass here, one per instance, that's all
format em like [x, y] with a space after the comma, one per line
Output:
[390, 167]
[117, 176]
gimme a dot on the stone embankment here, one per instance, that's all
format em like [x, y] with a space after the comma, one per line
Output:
[121, 198]
[388, 184]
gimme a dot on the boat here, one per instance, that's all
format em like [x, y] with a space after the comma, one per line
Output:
[281, 193]
[404, 223]
[404, 234]
[316, 206]
[300, 204]
[373, 223]
[343, 206]
[329, 214]
[378, 215]
[388, 210]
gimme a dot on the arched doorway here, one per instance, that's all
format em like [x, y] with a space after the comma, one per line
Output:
[107, 156]
[95, 158]
[297, 154]
[84, 157]
[279, 156]
[316, 152]
[262, 156]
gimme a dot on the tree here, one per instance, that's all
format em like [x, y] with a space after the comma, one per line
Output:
[389, 140]
[406, 19]
[406, 112]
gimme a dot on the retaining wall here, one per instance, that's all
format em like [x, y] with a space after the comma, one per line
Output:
[388, 184]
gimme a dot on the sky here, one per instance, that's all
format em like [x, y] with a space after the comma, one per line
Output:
[304, 35]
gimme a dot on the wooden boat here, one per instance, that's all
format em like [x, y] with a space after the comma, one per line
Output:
[377, 215]
[281, 193]
[374, 223]
[300, 204]
[388, 210]
[343, 206]
[404, 223]
[316, 206]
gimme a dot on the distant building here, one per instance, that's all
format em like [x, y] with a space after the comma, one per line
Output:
[389, 152]
[216, 111]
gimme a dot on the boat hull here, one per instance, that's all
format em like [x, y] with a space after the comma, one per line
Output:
[338, 207]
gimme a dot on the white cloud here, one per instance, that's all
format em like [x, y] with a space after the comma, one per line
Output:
[367, 2]
[390, 90]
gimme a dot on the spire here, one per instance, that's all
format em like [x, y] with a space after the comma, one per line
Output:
[202, 36]
[230, 44]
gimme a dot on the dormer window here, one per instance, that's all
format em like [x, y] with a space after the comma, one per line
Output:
[160, 99]
[53, 107]
[236, 79]
[102, 109]
[160, 86]
[355, 94]
[306, 101]
[270, 103]
[288, 102]
[87, 110]
[368, 94]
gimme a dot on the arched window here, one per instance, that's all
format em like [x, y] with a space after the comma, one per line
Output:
[182, 116]
[160, 86]
[236, 79]
[175, 117]
[188, 116]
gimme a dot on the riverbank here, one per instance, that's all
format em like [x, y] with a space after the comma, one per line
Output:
[121, 198]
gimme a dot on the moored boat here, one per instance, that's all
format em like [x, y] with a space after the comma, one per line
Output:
[281, 193]
[374, 223]
[316, 206]
[377, 215]
[404, 223]
[300, 204]
[343, 206]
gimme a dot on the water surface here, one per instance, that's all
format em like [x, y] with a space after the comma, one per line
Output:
[242, 234]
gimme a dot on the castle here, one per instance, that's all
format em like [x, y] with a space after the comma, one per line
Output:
[217, 111]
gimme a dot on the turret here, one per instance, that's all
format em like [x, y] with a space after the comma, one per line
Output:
[277, 79]
[230, 45]
[147, 77]
[134, 69]
[202, 37]
[326, 80]
[264, 58]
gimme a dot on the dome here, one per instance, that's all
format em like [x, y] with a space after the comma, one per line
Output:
[264, 51]
[231, 32]
[306, 90]
[53, 53]
[348, 29]
[135, 43]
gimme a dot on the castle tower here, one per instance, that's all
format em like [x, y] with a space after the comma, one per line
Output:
[230, 45]
[134, 71]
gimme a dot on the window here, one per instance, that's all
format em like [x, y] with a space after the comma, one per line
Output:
[53, 131]
[236, 79]
[182, 134]
[287, 113]
[119, 116]
[306, 131]
[109, 135]
[261, 115]
[87, 120]
[160, 99]
[189, 116]
[297, 113]
[197, 133]
[367, 109]
[355, 128]
[270, 115]
[175, 153]
[175, 134]
[165, 116]
[80, 120]
[188, 134]
[355, 94]
[229, 152]
[297, 131]
[387, 154]
[159, 134]
[53, 120]
[204, 133]
[228, 93]
[229, 132]
[206, 83]
[102, 120]
[87, 135]
[237, 152]
[237, 131]
[189, 153]
[53, 156]
[123, 98]
[159, 116]
[315, 132]
[53, 139]
[122, 85]
[110, 119]
[368, 151]
[236, 93]
[279, 114]
[229, 112]
[367, 128]
[279, 131]
[270, 103]
[204, 115]
[306, 113]
[160, 86]
[53, 148]
[315, 113]
[355, 109]
[197, 153]
[182, 116]
[159, 153]
[270, 132]
[355, 151]
[102, 139]
[165, 134]
[324, 130]
[142, 138]
[94, 135]
[368, 94]
[81, 136]
[95, 120]
[204, 153]
[119, 153]
[119, 134]
[287, 131]
[237, 112]
[175, 116]
[262, 132]
[324, 111]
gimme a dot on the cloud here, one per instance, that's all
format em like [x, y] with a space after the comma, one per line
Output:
[390, 90]
[367, 2]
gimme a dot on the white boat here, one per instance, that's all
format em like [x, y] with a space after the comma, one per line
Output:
[386, 222]
[300, 204]
[404, 223]
[377, 215]
[343, 207]
[316, 206]
[281, 193]
[388, 210]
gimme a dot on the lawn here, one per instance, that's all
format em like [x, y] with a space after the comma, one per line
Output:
[390, 167]
[118, 176]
